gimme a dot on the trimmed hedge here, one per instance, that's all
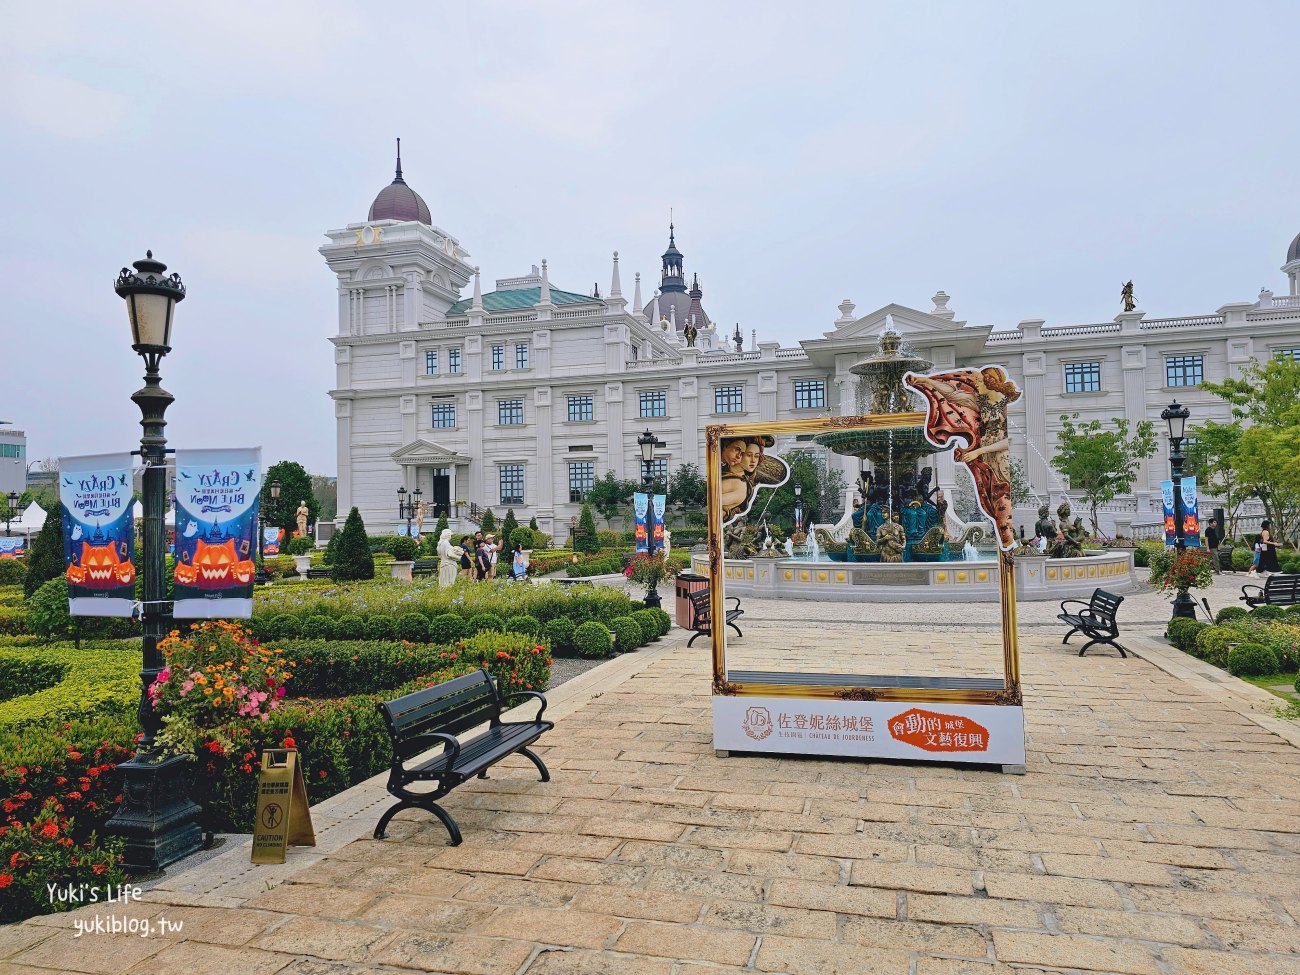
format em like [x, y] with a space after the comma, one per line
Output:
[1251, 660]
[649, 623]
[1230, 613]
[1214, 643]
[446, 628]
[559, 632]
[1182, 633]
[628, 635]
[523, 624]
[1267, 613]
[592, 640]
[485, 621]
[101, 678]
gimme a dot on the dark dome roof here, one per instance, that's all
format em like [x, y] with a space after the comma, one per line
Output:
[1293, 252]
[397, 201]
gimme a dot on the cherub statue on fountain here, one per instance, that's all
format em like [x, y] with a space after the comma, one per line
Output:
[891, 539]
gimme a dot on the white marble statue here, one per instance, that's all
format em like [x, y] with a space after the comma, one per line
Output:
[448, 559]
[668, 542]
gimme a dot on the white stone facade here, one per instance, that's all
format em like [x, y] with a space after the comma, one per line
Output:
[433, 391]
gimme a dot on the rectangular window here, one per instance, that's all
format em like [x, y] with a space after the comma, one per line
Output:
[1184, 370]
[1083, 377]
[521, 356]
[582, 475]
[11, 450]
[512, 483]
[659, 471]
[431, 363]
[580, 409]
[810, 394]
[510, 412]
[728, 399]
[1293, 354]
[654, 403]
[453, 361]
[498, 357]
[444, 415]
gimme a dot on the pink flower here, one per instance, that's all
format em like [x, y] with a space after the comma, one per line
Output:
[279, 691]
[266, 717]
[186, 687]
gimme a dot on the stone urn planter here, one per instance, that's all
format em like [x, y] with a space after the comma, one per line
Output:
[302, 563]
[401, 570]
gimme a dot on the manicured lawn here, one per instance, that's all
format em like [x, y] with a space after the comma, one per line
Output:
[1283, 685]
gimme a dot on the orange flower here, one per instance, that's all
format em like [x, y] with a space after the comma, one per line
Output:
[50, 830]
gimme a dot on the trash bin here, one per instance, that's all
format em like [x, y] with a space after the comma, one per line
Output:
[1225, 558]
[687, 583]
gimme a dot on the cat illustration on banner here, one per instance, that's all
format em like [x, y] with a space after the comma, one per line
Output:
[972, 404]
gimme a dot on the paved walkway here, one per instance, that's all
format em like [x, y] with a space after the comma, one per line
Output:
[1156, 831]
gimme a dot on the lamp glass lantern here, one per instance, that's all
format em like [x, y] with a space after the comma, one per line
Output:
[151, 297]
[275, 490]
[647, 443]
[1175, 417]
[13, 500]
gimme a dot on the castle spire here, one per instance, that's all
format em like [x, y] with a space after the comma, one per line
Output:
[398, 177]
[636, 296]
[672, 276]
[615, 285]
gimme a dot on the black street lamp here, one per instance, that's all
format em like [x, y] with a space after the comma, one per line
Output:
[1175, 417]
[157, 817]
[648, 442]
[11, 512]
[798, 507]
[407, 509]
[261, 533]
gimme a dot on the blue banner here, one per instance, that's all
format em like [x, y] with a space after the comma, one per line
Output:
[271, 541]
[657, 509]
[217, 495]
[1191, 520]
[95, 502]
[13, 546]
[640, 531]
[1167, 495]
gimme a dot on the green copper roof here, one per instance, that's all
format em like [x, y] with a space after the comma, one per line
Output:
[520, 298]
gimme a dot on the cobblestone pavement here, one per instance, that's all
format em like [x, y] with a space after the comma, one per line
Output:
[1155, 832]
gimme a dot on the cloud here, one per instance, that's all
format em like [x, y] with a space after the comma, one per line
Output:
[64, 107]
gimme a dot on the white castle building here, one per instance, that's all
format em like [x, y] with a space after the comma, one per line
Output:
[522, 396]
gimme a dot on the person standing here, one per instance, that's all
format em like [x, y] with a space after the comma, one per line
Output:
[1213, 536]
[1267, 550]
[519, 564]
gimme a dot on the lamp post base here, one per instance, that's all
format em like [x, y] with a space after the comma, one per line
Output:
[652, 600]
[1184, 606]
[157, 817]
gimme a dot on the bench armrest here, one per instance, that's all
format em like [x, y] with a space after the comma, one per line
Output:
[1081, 602]
[540, 697]
[736, 600]
[1246, 595]
[450, 741]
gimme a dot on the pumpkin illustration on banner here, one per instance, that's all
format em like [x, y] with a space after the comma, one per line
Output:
[101, 567]
[215, 566]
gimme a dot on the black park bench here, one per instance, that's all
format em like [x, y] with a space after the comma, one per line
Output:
[1096, 620]
[701, 614]
[424, 567]
[1282, 589]
[319, 573]
[441, 715]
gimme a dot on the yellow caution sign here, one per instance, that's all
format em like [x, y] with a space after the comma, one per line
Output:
[282, 813]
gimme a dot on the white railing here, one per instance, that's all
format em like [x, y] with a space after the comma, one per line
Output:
[1005, 335]
[511, 319]
[715, 357]
[791, 354]
[1286, 301]
[651, 363]
[1191, 321]
[1100, 328]
[581, 313]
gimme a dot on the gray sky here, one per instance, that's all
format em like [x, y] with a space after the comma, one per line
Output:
[1027, 158]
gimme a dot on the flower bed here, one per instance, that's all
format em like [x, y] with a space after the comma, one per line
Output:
[1263, 643]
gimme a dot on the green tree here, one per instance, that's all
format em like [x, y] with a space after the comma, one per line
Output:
[1212, 460]
[1266, 460]
[295, 487]
[508, 525]
[440, 526]
[489, 522]
[352, 558]
[532, 523]
[610, 496]
[1101, 464]
[45, 561]
[687, 489]
[326, 490]
[584, 537]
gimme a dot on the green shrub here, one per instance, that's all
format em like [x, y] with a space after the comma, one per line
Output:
[649, 623]
[1251, 660]
[413, 627]
[14, 621]
[627, 634]
[1242, 556]
[609, 539]
[559, 633]
[592, 639]
[665, 621]
[596, 565]
[1214, 643]
[403, 549]
[518, 662]
[1181, 632]
[353, 558]
[485, 621]
[1229, 613]
[12, 572]
[284, 627]
[47, 609]
[585, 538]
[508, 525]
[302, 545]
[446, 628]
[488, 522]
[101, 678]
[523, 624]
[522, 536]
[45, 559]
[1267, 613]
[350, 627]
[318, 627]
[21, 674]
[380, 628]
[332, 547]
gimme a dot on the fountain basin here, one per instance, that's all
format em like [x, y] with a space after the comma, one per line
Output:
[955, 582]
